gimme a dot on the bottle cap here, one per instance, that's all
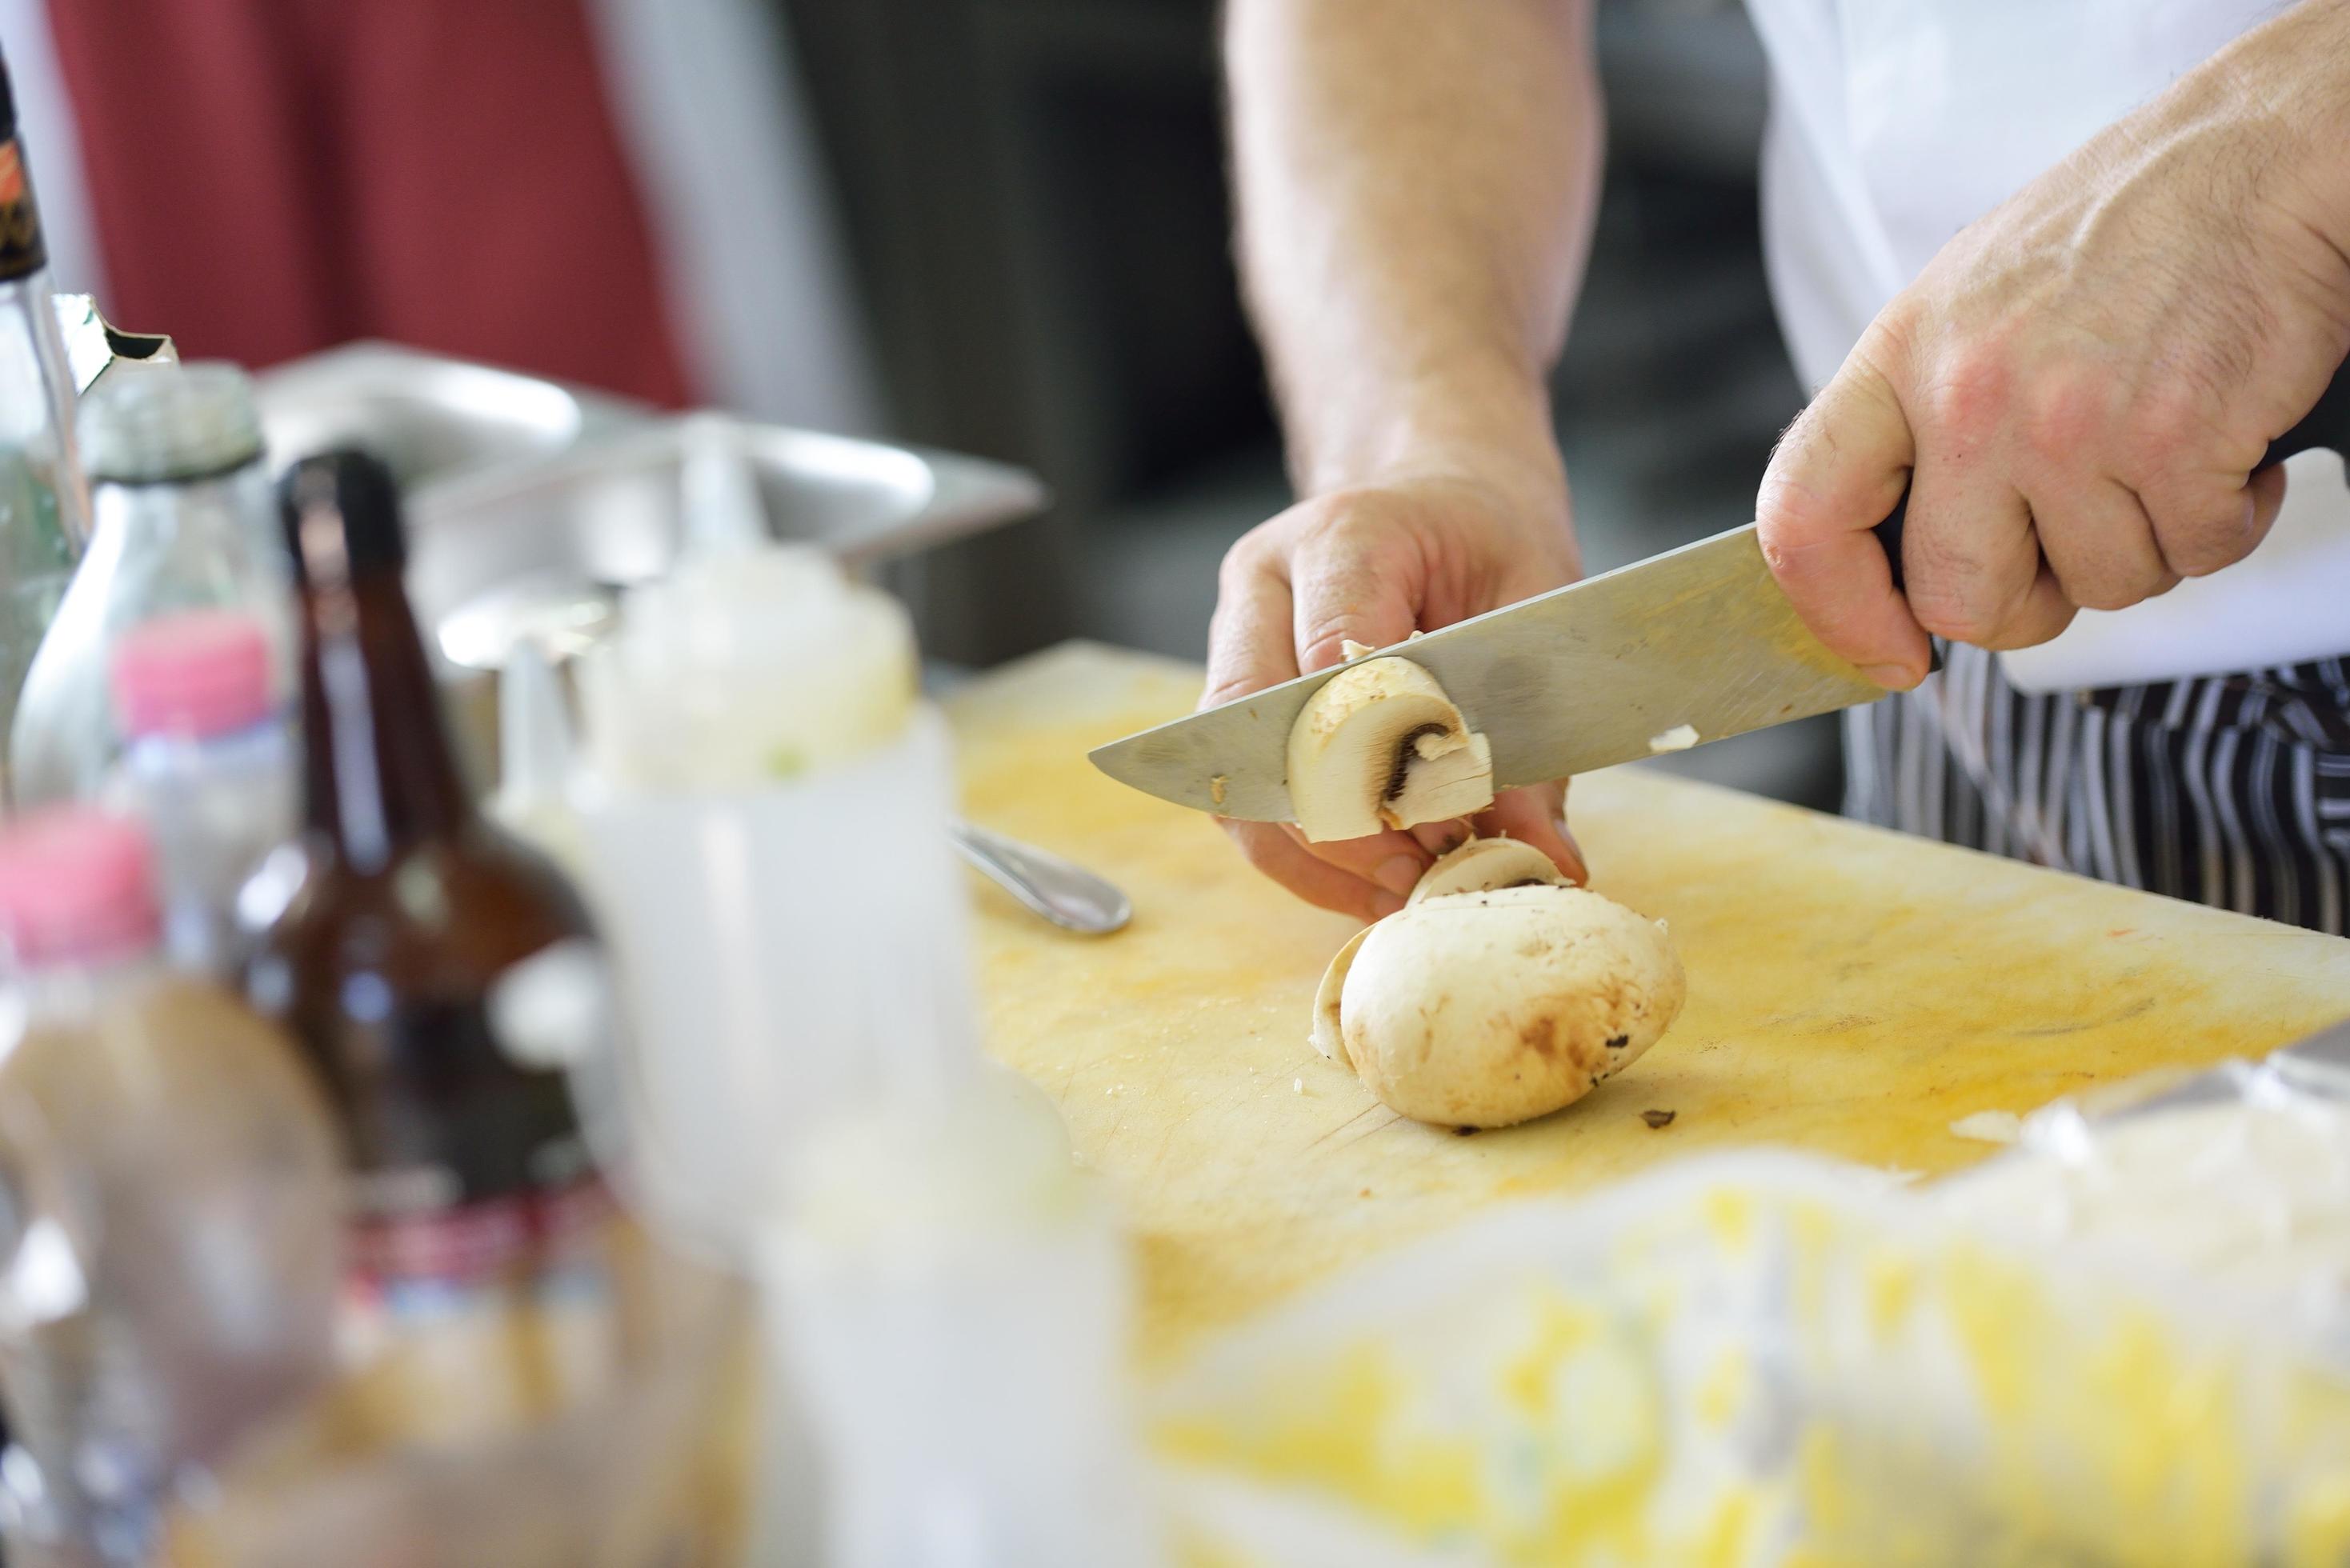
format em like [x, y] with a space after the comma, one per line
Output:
[199, 673]
[342, 513]
[77, 885]
[158, 424]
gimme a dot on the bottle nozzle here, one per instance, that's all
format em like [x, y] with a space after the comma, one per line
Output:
[719, 492]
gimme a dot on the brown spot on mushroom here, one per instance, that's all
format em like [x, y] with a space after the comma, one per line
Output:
[1464, 1132]
[1539, 1034]
[1617, 1042]
[1657, 1118]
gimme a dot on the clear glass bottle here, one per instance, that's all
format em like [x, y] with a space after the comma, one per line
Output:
[184, 521]
[43, 509]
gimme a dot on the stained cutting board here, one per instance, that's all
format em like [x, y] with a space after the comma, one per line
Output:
[1850, 991]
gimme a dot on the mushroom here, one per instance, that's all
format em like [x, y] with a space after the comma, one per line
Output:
[1482, 1009]
[1326, 1036]
[1380, 745]
[1482, 864]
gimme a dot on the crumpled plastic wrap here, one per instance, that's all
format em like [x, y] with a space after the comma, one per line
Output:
[2122, 1342]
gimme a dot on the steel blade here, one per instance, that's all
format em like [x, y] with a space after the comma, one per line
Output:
[1578, 678]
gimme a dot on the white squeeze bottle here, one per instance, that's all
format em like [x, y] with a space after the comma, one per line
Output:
[955, 1299]
[767, 842]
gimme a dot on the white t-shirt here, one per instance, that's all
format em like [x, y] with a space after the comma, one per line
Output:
[1895, 123]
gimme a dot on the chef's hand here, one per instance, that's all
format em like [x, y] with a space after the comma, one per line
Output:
[1372, 565]
[2078, 386]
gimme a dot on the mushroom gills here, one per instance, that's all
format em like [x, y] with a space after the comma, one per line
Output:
[1380, 745]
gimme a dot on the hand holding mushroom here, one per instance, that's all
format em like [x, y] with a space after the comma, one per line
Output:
[1370, 564]
[1499, 992]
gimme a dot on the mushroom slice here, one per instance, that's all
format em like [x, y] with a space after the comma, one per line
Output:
[1327, 1037]
[1380, 745]
[1482, 864]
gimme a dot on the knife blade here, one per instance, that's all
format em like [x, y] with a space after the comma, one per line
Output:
[1580, 678]
[1589, 675]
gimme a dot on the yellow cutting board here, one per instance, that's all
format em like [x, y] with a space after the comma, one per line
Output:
[1850, 991]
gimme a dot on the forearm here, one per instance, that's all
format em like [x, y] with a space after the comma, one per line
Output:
[2290, 77]
[1416, 185]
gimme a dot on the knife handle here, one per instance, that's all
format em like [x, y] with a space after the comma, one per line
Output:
[2327, 425]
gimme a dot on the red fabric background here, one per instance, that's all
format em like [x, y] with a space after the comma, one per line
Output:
[271, 176]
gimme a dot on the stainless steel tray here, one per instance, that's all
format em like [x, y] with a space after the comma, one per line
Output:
[438, 422]
[532, 502]
[519, 545]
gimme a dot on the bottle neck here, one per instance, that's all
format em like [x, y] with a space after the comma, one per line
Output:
[380, 775]
[228, 506]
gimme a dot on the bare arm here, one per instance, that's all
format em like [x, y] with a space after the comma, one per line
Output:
[1416, 187]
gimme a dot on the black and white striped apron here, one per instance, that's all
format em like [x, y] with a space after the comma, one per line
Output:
[2227, 790]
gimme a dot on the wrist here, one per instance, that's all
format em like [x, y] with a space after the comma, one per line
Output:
[2289, 79]
[1489, 430]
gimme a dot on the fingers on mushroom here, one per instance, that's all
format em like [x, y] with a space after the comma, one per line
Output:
[1380, 745]
[1486, 1008]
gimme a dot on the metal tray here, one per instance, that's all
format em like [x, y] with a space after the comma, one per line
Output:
[437, 422]
[531, 503]
[539, 547]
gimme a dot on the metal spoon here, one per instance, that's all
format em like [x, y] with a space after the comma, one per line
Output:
[1069, 896]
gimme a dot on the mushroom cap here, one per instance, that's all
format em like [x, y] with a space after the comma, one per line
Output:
[1482, 864]
[1486, 1009]
[1380, 745]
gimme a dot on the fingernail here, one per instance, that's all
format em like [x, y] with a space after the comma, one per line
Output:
[1892, 677]
[1582, 872]
[1398, 873]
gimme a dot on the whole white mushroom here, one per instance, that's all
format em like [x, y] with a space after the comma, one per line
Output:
[1484, 1009]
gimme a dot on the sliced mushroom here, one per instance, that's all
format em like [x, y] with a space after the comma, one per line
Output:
[1326, 1038]
[1485, 1009]
[1483, 864]
[1380, 745]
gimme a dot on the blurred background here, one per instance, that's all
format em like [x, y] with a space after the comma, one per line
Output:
[997, 226]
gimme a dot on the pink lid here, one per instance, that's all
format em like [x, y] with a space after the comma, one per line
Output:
[199, 672]
[77, 885]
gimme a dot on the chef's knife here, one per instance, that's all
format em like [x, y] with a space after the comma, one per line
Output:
[1599, 672]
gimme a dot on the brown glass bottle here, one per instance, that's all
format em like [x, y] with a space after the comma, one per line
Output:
[415, 959]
